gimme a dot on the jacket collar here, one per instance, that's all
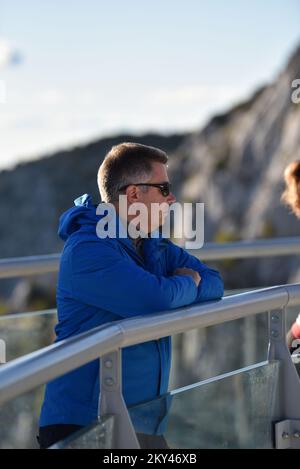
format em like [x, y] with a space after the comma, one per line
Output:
[152, 246]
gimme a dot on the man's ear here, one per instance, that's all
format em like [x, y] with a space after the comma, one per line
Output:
[132, 194]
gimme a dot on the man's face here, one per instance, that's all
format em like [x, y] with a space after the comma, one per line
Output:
[153, 195]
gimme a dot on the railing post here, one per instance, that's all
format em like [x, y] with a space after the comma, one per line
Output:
[289, 383]
[111, 401]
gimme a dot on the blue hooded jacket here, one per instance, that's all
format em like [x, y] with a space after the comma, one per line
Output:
[105, 280]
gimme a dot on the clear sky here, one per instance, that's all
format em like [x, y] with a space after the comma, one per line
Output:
[78, 70]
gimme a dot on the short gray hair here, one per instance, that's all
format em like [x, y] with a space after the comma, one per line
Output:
[126, 163]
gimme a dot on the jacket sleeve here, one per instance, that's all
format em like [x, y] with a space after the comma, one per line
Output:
[102, 277]
[211, 286]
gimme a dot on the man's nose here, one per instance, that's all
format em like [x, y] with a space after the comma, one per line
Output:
[171, 198]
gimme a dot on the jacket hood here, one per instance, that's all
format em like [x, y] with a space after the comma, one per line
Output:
[84, 216]
[84, 213]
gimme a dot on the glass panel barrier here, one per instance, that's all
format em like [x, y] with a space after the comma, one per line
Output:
[206, 352]
[19, 426]
[96, 436]
[27, 332]
[232, 411]
[197, 355]
[19, 420]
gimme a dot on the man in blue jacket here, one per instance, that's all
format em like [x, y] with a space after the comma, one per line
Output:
[104, 279]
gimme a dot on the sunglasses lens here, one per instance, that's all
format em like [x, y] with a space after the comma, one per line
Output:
[165, 190]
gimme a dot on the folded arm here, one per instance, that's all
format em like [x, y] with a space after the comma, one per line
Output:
[211, 286]
[102, 277]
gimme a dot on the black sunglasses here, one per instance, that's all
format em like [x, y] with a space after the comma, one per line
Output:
[164, 187]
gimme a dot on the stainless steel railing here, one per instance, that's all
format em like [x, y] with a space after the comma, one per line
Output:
[30, 371]
[21, 266]
[106, 342]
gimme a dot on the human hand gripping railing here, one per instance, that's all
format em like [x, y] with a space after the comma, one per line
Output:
[30, 371]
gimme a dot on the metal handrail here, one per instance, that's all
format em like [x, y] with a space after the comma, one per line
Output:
[246, 249]
[30, 265]
[21, 266]
[26, 373]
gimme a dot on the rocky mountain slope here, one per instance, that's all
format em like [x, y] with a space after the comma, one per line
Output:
[34, 194]
[235, 166]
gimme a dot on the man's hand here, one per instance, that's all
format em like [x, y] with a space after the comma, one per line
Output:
[192, 273]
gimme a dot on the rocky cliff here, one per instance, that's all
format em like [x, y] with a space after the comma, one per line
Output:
[235, 166]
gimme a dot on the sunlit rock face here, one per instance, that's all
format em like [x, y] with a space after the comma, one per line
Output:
[235, 166]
